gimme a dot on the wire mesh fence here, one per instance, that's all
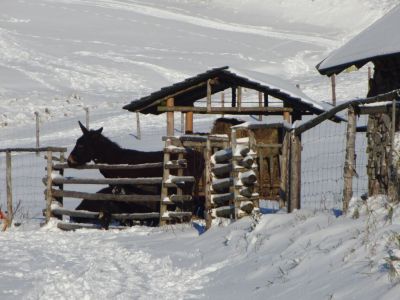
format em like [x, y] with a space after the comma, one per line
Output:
[27, 171]
[323, 156]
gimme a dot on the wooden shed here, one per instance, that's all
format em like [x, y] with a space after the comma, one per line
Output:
[270, 96]
[275, 97]
[379, 44]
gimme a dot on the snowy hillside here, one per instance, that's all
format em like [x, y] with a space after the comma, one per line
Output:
[59, 56]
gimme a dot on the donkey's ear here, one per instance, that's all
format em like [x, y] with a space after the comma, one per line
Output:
[98, 131]
[83, 128]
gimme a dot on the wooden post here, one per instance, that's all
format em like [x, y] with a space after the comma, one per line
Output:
[189, 122]
[182, 122]
[61, 187]
[222, 101]
[393, 188]
[333, 83]
[295, 173]
[207, 185]
[138, 131]
[87, 116]
[209, 95]
[49, 196]
[260, 104]
[37, 129]
[235, 175]
[164, 189]
[10, 212]
[369, 77]
[261, 168]
[233, 97]
[349, 164]
[283, 193]
[239, 97]
[286, 116]
[170, 118]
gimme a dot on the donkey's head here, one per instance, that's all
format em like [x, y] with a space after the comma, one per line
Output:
[86, 148]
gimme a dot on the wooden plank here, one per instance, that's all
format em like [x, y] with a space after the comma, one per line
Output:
[225, 110]
[74, 226]
[110, 181]
[260, 104]
[40, 149]
[95, 215]
[349, 164]
[109, 167]
[168, 215]
[105, 197]
[175, 150]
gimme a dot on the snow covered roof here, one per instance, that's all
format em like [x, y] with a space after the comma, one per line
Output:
[192, 89]
[378, 40]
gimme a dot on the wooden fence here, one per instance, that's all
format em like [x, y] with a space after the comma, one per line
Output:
[55, 192]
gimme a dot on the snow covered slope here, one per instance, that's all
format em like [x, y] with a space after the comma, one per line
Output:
[58, 56]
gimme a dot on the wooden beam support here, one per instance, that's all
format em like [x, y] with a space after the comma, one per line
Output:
[209, 95]
[170, 117]
[233, 96]
[349, 163]
[189, 122]
[295, 173]
[226, 110]
[333, 84]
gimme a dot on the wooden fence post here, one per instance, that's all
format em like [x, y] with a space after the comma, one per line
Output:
[10, 212]
[189, 122]
[37, 129]
[284, 190]
[260, 104]
[87, 117]
[182, 122]
[295, 172]
[207, 184]
[349, 164]
[209, 95]
[170, 118]
[138, 132]
[239, 97]
[333, 83]
[49, 185]
[164, 188]
[393, 186]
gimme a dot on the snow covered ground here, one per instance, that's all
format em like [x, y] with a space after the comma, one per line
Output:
[59, 56]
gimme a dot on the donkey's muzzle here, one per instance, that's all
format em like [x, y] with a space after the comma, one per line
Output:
[72, 161]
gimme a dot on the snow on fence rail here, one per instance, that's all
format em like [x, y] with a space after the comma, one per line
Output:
[55, 192]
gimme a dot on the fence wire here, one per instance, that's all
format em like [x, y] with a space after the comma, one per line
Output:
[27, 172]
[323, 156]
